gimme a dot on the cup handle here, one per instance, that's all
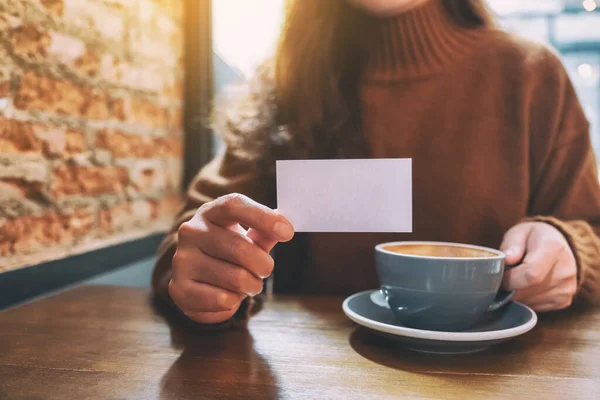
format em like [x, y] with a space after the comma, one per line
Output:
[501, 299]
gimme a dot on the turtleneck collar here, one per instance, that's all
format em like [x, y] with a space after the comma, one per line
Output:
[421, 41]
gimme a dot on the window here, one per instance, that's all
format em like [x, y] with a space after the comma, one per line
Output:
[245, 32]
[572, 27]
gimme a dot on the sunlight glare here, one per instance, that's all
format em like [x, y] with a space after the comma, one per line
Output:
[246, 32]
[590, 5]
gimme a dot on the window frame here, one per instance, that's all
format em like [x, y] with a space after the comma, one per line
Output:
[199, 91]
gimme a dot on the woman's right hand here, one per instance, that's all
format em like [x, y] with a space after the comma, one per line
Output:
[218, 263]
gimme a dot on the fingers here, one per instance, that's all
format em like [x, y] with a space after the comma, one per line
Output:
[536, 266]
[227, 245]
[559, 294]
[218, 263]
[238, 249]
[202, 268]
[546, 279]
[514, 243]
[559, 298]
[526, 294]
[193, 297]
[522, 295]
[533, 272]
[233, 209]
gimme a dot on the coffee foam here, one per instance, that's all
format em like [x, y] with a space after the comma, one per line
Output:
[439, 250]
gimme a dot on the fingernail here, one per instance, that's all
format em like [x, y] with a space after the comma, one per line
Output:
[284, 231]
[511, 251]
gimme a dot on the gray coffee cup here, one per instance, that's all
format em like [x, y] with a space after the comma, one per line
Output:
[440, 286]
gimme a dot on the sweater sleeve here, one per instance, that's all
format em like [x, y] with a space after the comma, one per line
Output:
[565, 190]
[223, 175]
[569, 200]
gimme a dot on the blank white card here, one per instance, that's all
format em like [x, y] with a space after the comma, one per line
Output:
[372, 195]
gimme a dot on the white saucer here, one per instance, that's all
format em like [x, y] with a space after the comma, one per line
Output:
[370, 310]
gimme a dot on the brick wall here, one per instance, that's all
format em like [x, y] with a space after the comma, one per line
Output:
[90, 135]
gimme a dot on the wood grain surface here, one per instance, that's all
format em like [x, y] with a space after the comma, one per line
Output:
[109, 343]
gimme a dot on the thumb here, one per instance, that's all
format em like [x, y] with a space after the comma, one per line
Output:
[514, 243]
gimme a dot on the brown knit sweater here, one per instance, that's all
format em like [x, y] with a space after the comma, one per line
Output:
[496, 135]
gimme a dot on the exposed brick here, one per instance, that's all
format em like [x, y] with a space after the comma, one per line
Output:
[175, 89]
[118, 109]
[126, 145]
[18, 137]
[60, 96]
[145, 176]
[89, 63]
[175, 118]
[72, 51]
[102, 157]
[169, 146]
[147, 112]
[174, 173]
[156, 35]
[59, 141]
[151, 44]
[133, 44]
[18, 197]
[148, 178]
[8, 21]
[28, 234]
[28, 190]
[56, 7]
[66, 48]
[70, 180]
[143, 77]
[126, 216]
[5, 73]
[154, 210]
[170, 7]
[28, 167]
[74, 142]
[97, 106]
[4, 20]
[31, 42]
[170, 205]
[110, 68]
[108, 20]
[28, 40]
[141, 111]
[138, 146]
[120, 3]
[175, 8]
[54, 140]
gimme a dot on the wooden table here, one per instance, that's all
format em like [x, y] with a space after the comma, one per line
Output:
[103, 342]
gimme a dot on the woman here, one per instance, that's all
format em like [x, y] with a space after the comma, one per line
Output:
[500, 147]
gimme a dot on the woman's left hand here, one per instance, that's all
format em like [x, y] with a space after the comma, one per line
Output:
[546, 278]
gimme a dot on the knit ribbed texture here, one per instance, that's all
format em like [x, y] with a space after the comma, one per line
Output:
[401, 50]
